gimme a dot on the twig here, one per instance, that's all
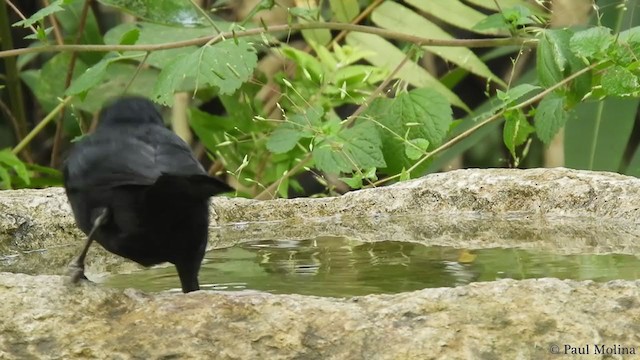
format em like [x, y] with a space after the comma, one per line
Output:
[377, 91]
[418, 40]
[72, 64]
[269, 192]
[56, 27]
[20, 14]
[14, 87]
[36, 130]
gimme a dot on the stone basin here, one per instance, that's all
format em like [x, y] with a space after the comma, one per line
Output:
[560, 210]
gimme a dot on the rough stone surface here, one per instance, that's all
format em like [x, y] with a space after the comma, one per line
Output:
[561, 210]
[45, 319]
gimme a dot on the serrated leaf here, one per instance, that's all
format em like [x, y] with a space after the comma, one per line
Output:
[160, 34]
[516, 131]
[351, 149]
[426, 108]
[298, 126]
[89, 79]
[284, 139]
[618, 81]
[415, 148]
[53, 8]
[551, 59]
[170, 12]
[388, 56]
[591, 42]
[550, 117]
[9, 159]
[130, 37]
[225, 65]
[344, 10]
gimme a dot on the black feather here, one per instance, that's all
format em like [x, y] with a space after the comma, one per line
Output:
[154, 189]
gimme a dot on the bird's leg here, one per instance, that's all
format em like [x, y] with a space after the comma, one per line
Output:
[188, 273]
[76, 268]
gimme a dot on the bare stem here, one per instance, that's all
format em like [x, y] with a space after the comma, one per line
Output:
[36, 130]
[418, 40]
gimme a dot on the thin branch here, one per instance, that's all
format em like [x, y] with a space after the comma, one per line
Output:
[357, 19]
[13, 82]
[72, 64]
[418, 40]
[378, 90]
[269, 192]
[20, 14]
[56, 27]
[36, 130]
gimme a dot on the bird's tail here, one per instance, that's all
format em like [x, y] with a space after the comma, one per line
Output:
[193, 186]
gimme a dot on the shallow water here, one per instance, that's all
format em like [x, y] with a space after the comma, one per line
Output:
[339, 267]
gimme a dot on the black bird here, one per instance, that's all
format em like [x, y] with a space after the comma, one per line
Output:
[136, 188]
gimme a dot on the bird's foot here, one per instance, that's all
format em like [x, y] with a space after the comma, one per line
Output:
[76, 272]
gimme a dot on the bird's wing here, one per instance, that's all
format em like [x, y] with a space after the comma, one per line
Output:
[106, 160]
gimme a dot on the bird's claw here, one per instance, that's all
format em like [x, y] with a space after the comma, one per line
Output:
[76, 272]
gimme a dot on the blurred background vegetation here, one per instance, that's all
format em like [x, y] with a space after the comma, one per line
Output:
[282, 98]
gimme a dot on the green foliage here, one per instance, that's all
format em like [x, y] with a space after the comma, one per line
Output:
[206, 67]
[278, 123]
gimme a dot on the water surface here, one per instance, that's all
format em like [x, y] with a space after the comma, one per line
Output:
[338, 267]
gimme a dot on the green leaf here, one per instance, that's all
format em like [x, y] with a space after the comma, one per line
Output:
[516, 131]
[354, 182]
[160, 34]
[556, 61]
[618, 81]
[387, 56]
[396, 17]
[42, 13]
[598, 135]
[501, 4]
[453, 12]
[416, 148]
[592, 42]
[169, 12]
[5, 177]
[284, 139]
[550, 117]
[551, 57]
[89, 79]
[298, 126]
[119, 75]
[47, 83]
[426, 107]
[515, 93]
[494, 21]
[358, 147]
[344, 10]
[130, 37]
[305, 61]
[420, 114]
[226, 65]
[9, 159]
[209, 128]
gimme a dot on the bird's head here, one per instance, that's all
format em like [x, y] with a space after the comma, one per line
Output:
[129, 110]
